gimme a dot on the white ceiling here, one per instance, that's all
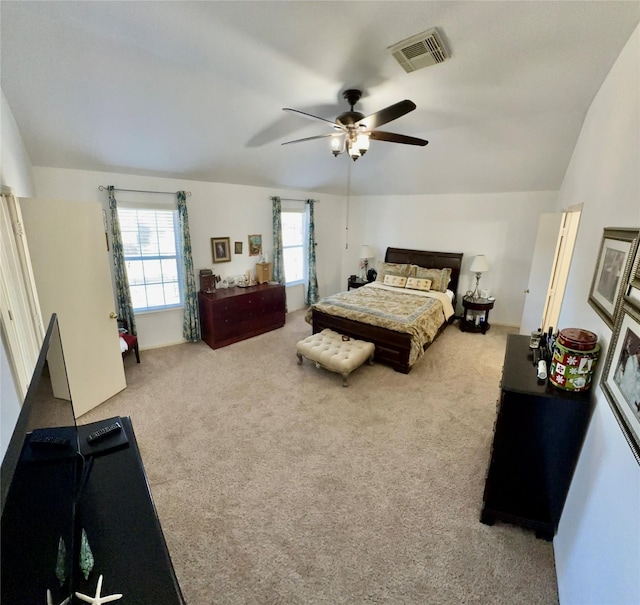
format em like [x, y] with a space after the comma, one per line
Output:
[195, 90]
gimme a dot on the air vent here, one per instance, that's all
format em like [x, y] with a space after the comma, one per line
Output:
[421, 50]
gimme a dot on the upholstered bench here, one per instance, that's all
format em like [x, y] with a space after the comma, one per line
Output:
[335, 352]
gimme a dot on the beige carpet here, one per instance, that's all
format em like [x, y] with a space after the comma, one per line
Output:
[274, 484]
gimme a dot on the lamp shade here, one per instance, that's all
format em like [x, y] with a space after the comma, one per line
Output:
[479, 264]
[367, 251]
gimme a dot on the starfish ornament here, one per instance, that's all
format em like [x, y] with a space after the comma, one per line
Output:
[50, 599]
[98, 600]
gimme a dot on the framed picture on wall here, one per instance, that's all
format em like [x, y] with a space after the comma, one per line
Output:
[611, 274]
[238, 248]
[220, 248]
[633, 290]
[621, 375]
[255, 245]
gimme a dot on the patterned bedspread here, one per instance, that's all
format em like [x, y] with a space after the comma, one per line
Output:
[419, 314]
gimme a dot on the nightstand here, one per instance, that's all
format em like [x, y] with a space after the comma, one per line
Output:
[475, 317]
[355, 282]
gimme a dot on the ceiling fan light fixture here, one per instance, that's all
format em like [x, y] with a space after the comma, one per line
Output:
[337, 146]
[354, 152]
[355, 130]
[362, 142]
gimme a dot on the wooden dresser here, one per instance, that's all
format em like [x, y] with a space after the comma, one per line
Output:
[234, 314]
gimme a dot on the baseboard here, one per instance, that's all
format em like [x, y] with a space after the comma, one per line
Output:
[504, 325]
[164, 344]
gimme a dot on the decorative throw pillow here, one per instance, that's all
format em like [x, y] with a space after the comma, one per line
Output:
[440, 278]
[394, 280]
[417, 283]
[404, 270]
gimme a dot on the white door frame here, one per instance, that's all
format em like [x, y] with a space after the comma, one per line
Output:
[20, 315]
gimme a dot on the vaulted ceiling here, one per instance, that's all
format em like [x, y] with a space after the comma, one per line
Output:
[195, 90]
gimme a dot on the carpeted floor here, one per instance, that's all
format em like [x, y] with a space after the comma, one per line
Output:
[274, 484]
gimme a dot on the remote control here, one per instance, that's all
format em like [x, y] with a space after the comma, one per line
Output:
[48, 440]
[105, 431]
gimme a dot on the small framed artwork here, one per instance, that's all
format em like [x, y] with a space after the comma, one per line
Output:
[621, 375]
[220, 248]
[255, 245]
[237, 248]
[633, 291]
[611, 274]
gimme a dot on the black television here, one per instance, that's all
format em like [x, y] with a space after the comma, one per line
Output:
[40, 475]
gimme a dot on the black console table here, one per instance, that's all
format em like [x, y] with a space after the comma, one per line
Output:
[537, 440]
[116, 510]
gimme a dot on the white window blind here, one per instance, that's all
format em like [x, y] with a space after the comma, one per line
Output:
[294, 245]
[152, 257]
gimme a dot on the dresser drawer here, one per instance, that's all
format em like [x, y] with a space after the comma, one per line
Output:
[228, 316]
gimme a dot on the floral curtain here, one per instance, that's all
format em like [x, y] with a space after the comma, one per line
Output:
[312, 286]
[278, 258]
[190, 322]
[123, 294]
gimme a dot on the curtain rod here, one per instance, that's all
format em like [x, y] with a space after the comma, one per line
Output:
[295, 199]
[103, 188]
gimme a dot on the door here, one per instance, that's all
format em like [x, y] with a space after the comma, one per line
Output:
[541, 272]
[560, 273]
[70, 264]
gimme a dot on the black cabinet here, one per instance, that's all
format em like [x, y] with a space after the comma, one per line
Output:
[114, 507]
[538, 436]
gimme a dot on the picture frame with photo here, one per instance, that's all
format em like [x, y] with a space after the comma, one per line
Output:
[620, 380]
[633, 289]
[255, 245]
[611, 274]
[237, 248]
[220, 249]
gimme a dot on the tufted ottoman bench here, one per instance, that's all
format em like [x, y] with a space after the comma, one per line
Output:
[335, 352]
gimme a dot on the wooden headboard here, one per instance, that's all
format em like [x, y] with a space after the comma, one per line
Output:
[429, 260]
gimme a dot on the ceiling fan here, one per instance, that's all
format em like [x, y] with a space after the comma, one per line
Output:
[353, 130]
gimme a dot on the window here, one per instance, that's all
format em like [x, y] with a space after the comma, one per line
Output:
[152, 258]
[294, 245]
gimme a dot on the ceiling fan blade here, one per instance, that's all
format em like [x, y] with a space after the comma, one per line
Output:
[310, 116]
[320, 136]
[392, 137]
[393, 112]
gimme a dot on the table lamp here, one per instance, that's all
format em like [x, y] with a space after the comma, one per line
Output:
[366, 252]
[478, 266]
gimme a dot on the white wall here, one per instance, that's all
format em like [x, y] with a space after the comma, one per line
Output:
[598, 543]
[215, 210]
[503, 226]
[15, 173]
[15, 165]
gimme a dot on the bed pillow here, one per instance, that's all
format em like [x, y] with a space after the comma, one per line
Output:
[403, 270]
[440, 278]
[417, 283]
[394, 280]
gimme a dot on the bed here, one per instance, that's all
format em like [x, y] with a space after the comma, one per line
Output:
[399, 342]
